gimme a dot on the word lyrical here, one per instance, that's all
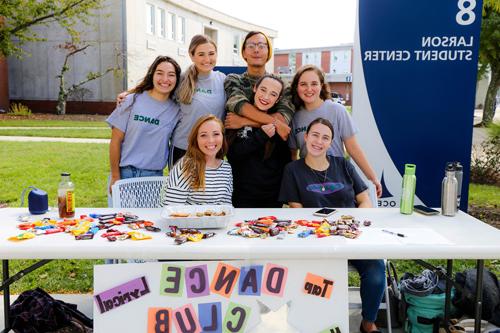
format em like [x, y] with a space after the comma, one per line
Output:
[122, 294]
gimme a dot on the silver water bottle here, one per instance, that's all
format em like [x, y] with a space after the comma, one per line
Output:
[449, 192]
[459, 173]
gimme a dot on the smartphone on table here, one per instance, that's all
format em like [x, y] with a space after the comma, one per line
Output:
[425, 210]
[324, 212]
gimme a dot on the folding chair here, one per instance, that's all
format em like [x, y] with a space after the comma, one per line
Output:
[384, 305]
[141, 192]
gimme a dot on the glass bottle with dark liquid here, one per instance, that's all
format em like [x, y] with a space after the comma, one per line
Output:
[66, 196]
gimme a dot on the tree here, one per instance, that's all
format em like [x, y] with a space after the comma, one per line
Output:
[489, 56]
[72, 49]
[20, 16]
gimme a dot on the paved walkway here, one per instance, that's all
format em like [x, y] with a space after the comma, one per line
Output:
[45, 139]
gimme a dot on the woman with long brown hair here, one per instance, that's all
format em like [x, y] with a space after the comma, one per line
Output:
[143, 123]
[311, 97]
[200, 92]
[258, 155]
[201, 176]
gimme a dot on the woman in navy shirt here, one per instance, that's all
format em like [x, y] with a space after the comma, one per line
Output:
[320, 180]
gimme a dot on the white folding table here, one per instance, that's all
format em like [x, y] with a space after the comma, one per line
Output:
[428, 237]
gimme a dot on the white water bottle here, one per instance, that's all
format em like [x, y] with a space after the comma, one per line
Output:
[449, 192]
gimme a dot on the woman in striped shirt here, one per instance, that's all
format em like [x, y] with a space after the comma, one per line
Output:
[201, 176]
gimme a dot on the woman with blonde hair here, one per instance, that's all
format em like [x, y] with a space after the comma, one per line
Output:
[201, 176]
[200, 92]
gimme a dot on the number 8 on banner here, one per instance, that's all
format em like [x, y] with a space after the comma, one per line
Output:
[466, 11]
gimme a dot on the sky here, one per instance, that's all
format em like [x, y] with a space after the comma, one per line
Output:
[327, 23]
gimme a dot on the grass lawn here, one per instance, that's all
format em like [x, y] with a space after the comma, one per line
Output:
[484, 195]
[40, 164]
[93, 133]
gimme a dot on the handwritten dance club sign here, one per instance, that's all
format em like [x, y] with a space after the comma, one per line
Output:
[207, 296]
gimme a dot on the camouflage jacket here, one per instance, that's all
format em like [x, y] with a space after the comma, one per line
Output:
[239, 90]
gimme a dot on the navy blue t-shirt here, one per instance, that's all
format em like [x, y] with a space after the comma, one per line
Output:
[337, 186]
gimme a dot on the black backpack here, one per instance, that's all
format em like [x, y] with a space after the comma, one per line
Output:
[35, 311]
[464, 296]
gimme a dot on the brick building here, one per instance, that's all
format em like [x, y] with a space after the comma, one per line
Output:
[335, 61]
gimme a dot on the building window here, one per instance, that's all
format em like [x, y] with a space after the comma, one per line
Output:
[171, 26]
[236, 44]
[150, 19]
[161, 21]
[181, 29]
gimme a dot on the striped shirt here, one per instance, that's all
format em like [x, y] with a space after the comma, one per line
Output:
[218, 187]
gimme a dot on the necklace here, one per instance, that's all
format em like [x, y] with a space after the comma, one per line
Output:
[318, 176]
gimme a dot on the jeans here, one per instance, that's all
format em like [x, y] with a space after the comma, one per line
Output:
[373, 282]
[133, 172]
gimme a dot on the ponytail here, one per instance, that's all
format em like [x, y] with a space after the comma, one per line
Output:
[187, 86]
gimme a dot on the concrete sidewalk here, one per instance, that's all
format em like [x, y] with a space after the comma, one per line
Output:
[45, 139]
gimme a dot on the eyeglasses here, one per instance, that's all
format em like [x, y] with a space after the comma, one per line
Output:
[252, 46]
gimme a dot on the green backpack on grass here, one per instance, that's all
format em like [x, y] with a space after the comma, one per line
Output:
[424, 313]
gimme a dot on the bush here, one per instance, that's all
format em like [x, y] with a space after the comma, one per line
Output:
[494, 130]
[18, 109]
[485, 164]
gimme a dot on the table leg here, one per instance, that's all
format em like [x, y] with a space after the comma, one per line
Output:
[479, 295]
[449, 274]
[6, 295]
[7, 280]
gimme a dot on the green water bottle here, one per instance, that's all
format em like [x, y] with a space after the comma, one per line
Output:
[408, 191]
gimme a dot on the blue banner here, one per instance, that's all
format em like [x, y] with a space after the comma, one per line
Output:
[415, 69]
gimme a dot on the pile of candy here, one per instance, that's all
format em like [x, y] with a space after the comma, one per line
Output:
[86, 227]
[270, 226]
[182, 235]
[263, 227]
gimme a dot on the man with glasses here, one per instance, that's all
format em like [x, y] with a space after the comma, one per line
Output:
[256, 51]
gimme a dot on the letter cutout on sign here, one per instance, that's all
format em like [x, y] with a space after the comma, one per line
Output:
[224, 279]
[210, 315]
[159, 320]
[172, 281]
[318, 286]
[274, 281]
[197, 281]
[250, 280]
[185, 320]
[236, 318]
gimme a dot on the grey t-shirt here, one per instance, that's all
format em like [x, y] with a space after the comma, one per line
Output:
[209, 97]
[336, 113]
[148, 126]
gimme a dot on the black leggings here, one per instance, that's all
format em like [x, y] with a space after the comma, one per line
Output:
[177, 154]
